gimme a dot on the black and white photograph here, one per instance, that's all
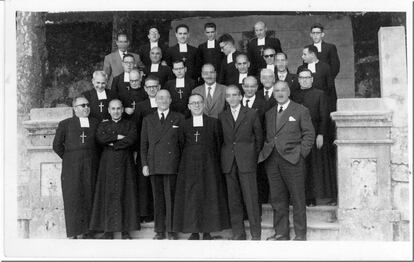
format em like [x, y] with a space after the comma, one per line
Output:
[212, 130]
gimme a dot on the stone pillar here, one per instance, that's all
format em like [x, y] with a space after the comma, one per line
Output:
[31, 61]
[394, 92]
[364, 177]
[43, 213]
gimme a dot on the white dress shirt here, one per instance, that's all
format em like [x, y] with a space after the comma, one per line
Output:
[318, 46]
[251, 101]
[235, 112]
[213, 87]
[165, 113]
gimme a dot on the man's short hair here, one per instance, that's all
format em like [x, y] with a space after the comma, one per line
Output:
[282, 82]
[248, 77]
[152, 77]
[122, 33]
[114, 100]
[136, 71]
[101, 73]
[76, 99]
[233, 87]
[177, 62]
[305, 70]
[267, 47]
[128, 55]
[202, 98]
[243, 54]
[226, 38]
[282, 53]
[151, 27]
[180, 26]
[317, 25]
[208, 64]
[210, 25]
[312, 49]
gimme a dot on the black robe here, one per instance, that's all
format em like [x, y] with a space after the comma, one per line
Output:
[320, 164]
[180, 103]
[200, 198]
[212, 56]
[164, 74]
[80, 161]
[173, 53]
[131, 98]
[255, 52]
[97, 111]
[115, 206]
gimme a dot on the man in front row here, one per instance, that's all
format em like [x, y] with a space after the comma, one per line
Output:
[161, 145]
[242, 141]
[75, 143]
[289, 139]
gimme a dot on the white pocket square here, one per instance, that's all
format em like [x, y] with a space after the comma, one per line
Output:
[175, 126]
[291, 118]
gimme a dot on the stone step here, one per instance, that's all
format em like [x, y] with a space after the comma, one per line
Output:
[315, 213]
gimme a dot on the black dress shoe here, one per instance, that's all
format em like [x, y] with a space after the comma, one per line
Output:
[159, 236]
[125, 235]
[300, 238]
[172, 236]
[194, 236]
[107, 235]
[278, 237]
[239, 237]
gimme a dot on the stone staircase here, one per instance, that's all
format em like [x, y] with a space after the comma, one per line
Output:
[322, 225]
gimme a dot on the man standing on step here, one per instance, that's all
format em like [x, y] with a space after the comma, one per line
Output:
[289, 139]
[242, 141]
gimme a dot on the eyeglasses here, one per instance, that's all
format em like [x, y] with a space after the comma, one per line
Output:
[134, 81]
[83, 105]
[196, 103]
[267, 56]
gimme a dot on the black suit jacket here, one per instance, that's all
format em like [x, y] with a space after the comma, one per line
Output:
[259, 106]
[180, 103]
[324, 80]
[242, 140]
[212, 56]
[255, 52]
[161, 145]
[97, 111]
[227, 69]
[144, 52]
[329, 55]
[119, 86]
[164, 74]
[190, 57]
[267, 104]
[292, 81]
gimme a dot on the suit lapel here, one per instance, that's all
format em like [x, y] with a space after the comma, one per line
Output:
[167, 123]
[229, 118]
[156, 125]
[216, 95]
[285, 116]
[240, 117]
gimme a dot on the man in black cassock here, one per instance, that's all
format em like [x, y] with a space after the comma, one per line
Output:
[75, 143]
[180, 88]
[115, 206]
[154, 41]
[227, 67]
[200, 205]
[99, 97]
[156, 68]
[120, 83]
[320, 183]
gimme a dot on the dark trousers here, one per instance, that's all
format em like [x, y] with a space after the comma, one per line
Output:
[242, 188]
[287, 179]
[163, 188]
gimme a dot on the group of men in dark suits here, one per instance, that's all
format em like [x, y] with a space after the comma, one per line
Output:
[250, 99]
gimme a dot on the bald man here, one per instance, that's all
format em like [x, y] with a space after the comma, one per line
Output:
[256, 46]
[162, 139]
[154, 41]
[156, 68]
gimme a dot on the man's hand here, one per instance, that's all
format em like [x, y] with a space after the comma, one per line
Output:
[145, 170]
[164, 63]
[319, 141]
[129, 110]
[120, 137]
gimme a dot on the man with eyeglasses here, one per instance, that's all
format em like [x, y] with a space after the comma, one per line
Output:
[212, 92]
[154, 41]
[289, 139]
[135, 94]
[243, 70]
[75, 144]
[100, 96]
[227, 67]
[256, 46]
[156, 68]
[162, 140]
[209, 52]
[115, 206]
[120, 83]
[200, 205]
[320, 167]
[113, 62]
[180, 88]
[183, 51]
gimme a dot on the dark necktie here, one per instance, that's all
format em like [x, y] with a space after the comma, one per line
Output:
[162, 118]
[280, 109]
[247, 102]
[267, 95]
[209, 99]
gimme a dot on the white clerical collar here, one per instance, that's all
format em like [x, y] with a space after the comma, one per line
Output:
[213, 87]
[183, 48]
[126, 77]
[312, 67]
[284, 106]
[152, 102]
[270, 91]
[261, 41]
[211, 43]
[116, 121]
[121, 54]
[153, 44]
[198, 120]
[179, 82]
[164, 112]
[251, 100]
[281, 75]
[154, 67]
[241, 77]
[84, 121]
[271, 67]
[319, 46]
[101, 95]
[230, 57]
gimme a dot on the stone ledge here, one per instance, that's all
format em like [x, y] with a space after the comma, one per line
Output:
[40, 148]
[50, 114]
[365, 142]
[33, 125]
